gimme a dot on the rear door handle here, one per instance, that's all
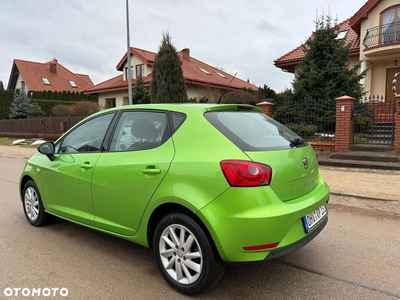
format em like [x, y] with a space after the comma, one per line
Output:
[151, 170]
[86, 165]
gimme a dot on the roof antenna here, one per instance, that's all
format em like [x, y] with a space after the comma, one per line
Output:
[227, 88]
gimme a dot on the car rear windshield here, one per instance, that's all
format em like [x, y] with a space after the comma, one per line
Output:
[253, 131]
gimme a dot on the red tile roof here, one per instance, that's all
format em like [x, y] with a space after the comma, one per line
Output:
[191, 71]
[291, 59]
[33, 72]
[362, 14]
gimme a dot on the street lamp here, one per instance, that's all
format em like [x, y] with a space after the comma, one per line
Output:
[128, 53]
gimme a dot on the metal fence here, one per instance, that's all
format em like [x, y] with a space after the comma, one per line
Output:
[313, 120]
[374, 123]
[383, 35]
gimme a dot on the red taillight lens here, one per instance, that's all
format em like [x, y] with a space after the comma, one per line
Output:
[241, 173]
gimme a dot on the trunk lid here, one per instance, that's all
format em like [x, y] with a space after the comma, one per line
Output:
[295, 171]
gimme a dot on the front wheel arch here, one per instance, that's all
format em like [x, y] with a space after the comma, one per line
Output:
[32, 205]
[24, 180]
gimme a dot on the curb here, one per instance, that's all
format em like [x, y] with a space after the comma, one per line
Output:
[364, 197]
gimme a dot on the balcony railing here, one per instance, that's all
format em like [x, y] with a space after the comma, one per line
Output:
[384, 35]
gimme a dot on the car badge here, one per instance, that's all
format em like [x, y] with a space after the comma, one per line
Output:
[305, 163]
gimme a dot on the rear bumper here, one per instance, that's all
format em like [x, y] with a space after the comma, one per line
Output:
[299, 244]
[248, 217]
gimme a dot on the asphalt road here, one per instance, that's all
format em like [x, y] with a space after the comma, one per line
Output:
[357, 256]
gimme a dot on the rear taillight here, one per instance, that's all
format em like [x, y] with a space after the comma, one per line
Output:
[240, 173]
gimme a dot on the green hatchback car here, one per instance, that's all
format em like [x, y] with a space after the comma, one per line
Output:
[199, 184]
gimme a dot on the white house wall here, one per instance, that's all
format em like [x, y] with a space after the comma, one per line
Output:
[18, 85]
[118, 96]
[374, 20]
[375, 80]
[136, 61]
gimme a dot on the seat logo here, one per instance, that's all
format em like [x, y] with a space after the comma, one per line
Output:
[305, 163]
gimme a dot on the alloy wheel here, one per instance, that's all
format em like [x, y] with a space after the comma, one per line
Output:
[31, 202]
[180, 254]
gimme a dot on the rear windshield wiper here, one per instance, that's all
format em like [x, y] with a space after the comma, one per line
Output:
[296, 142]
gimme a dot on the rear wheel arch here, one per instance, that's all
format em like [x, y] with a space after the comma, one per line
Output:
[168, 208]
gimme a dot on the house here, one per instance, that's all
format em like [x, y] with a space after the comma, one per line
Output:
[202, 80]
[29, 76]
[374, 34]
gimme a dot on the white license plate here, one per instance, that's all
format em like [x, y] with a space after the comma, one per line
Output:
[313, 219]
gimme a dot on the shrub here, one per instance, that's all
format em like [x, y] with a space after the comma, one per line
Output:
[61, 110]
[304, 130]
[85, 108]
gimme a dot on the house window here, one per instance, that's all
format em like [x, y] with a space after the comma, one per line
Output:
[126, 73]
[45, 80]
[72, 83]
[205, 71]
[341, 35]
[23, 87]
[110, 102]
[390, 24]
[140, 70]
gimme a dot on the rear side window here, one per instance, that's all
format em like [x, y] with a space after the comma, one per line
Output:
[252, 131]
[177, 120]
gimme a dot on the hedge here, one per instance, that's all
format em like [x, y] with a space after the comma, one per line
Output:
[62, 96]
[6, 97]
[45, 99]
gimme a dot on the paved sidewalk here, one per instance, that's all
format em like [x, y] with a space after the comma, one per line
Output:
[12, 151]
[369, 184]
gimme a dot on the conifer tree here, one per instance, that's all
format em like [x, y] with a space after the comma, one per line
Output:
[324, 73]
[20, 106]
[168, 84]
[140, 94]
[1, 86]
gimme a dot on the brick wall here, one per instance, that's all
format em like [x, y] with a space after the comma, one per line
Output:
[344, 123]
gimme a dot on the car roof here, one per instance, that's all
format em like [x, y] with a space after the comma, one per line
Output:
[186, 107]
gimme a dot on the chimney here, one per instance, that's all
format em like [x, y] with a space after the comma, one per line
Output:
[53, 66]
[185, 54]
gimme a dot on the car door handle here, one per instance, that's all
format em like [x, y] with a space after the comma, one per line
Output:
[86, 165]
[151, 170]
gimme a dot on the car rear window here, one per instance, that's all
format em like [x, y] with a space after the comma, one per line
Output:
[253, 131]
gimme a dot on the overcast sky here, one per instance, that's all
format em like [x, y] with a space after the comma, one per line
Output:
[89, 37]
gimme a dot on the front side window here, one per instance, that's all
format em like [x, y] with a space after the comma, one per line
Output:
[88, 137]
[139, 130]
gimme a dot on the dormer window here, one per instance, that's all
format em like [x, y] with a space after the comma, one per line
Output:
[45, 80]
[205, 71]
[126, 72]
[341, 35]
[72, 83]
[139, 70]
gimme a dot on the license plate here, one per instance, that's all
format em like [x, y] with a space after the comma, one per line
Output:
[313, 219]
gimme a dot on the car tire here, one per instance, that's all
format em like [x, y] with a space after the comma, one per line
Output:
[33, 205]
[187, 259]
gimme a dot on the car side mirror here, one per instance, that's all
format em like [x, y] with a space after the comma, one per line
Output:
[47, 149]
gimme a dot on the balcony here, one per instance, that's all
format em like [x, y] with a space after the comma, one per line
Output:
[382, 36]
